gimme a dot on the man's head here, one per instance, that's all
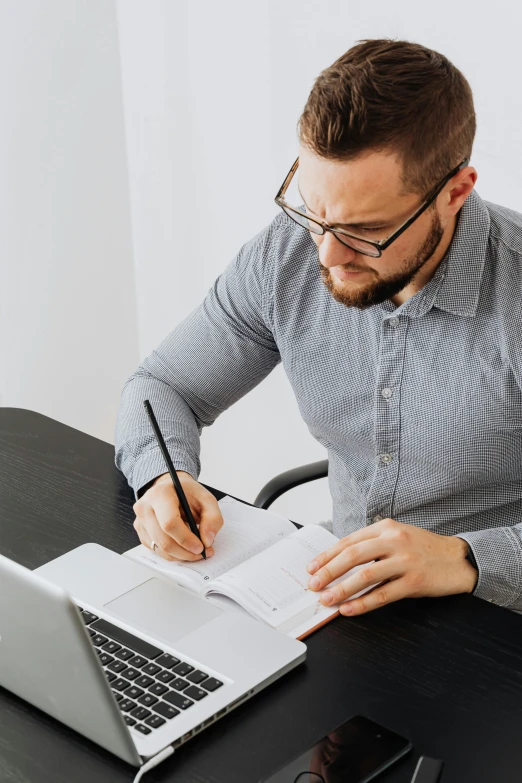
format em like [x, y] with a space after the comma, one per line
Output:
[382, 127]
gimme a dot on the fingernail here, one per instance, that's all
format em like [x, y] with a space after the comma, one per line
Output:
[196, 548]
[312, 566]
[314, 582]
[327, 597]
[209, 538]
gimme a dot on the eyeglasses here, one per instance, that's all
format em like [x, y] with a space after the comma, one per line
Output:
[366, 247]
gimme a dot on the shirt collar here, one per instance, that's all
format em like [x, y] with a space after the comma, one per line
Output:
[464, 262]
[455, 286]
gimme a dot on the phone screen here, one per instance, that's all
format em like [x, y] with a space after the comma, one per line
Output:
[354, 752]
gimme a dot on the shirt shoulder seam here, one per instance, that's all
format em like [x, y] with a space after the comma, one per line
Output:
[517, 250]
[278, 226]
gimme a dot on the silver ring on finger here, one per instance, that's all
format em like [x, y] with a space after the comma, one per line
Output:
[153, 545]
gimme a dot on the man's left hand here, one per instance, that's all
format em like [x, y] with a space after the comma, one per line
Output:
[410, 562]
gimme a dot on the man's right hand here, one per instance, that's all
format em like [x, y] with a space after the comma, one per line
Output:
[160, 518]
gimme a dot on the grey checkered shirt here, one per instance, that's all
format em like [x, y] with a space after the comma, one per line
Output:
[419, 406]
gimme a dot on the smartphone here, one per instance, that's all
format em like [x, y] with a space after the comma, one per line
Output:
[355, 752]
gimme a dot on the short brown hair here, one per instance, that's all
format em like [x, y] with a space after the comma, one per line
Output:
[397, 96]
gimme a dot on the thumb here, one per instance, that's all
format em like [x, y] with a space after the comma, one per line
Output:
[210, 522]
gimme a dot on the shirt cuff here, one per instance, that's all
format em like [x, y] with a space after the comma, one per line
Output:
[152, 464]
[499, 558]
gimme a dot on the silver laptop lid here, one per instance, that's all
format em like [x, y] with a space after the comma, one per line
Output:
[47, 659]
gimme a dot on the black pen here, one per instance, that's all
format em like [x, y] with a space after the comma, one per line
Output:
[174, 476]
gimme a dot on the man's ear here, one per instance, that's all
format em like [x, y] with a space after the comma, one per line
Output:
[460, 189]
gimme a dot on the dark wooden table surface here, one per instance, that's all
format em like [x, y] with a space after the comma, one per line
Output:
[447, 672]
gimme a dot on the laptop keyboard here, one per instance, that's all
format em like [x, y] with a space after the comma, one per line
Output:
[151, 686]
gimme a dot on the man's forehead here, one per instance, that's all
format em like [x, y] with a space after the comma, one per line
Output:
[365, 188]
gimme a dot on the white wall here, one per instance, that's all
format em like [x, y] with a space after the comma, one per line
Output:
[212, 95]
[68, 317]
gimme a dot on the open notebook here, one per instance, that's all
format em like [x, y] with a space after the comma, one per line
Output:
[258, 566]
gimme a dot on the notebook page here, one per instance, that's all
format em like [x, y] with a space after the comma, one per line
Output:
[246, 532]
[274, 585]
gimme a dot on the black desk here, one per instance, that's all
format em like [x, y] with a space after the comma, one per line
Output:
[447, 672]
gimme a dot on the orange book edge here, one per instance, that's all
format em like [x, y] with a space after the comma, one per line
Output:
[319, 625]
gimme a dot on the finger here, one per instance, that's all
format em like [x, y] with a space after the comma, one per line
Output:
[365, 534]
[379, 596]
[348, 558]
[366, 576]
[165, 504]
[167, 547]
[210, 520]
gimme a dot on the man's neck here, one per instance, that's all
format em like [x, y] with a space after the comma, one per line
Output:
[429, 269]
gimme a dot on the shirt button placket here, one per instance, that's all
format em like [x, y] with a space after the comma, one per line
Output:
[387, 418]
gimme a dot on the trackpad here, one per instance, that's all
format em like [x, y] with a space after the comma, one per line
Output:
[165, 611]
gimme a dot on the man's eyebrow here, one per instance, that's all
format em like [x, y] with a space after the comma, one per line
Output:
[365, 224]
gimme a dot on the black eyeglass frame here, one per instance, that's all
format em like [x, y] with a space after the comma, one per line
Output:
[379, 244]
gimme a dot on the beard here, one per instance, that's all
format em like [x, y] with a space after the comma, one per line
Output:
[381, 289]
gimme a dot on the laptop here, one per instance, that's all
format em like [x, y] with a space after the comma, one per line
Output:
[126, 658]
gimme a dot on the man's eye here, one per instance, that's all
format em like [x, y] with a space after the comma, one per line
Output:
[374, 230]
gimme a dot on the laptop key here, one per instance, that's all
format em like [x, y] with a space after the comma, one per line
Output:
[196, 676]
[90, 632]
[128, 639]
[104, 657]
[144, 681]
[130, 673]
[88, 618]
[117, 666]
[138, 661]
[124, 654]
[111, 647]
[178, 700]
[151, 668]
[195, 693]
[158, 689]
[126, 705]
[166, 710]
[128, 720]
[211, 684]
[120, 684]
[179, 684]
[166, 660]
[183, 669]
[98, 640]
[110, 676]
[155, 721]
[140, 713]
[118, 696]
[148, 700]
[133, 692]
[165, 676]
[142, 729]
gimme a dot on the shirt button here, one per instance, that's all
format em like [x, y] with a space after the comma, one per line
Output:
[393, 321]
[386, 393]
[377, 518]
[386, 458]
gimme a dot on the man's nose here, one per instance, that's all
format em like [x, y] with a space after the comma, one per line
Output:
[333, 253]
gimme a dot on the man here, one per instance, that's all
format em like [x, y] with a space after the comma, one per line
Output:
[392, 295]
